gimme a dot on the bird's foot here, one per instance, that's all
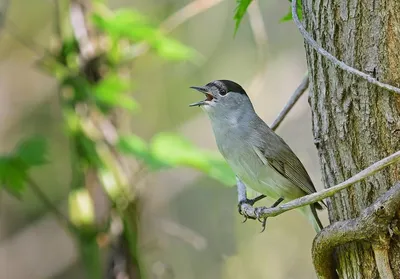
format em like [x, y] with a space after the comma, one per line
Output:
[250, 202]
[241, 212]
[263, 220]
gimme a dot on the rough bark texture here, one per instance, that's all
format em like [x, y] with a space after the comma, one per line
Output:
[355, 123]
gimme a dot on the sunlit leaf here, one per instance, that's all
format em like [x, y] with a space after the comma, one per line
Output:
[241, 9]
[137, 147]
[131, 25]
[178, 151]
[173, 50]
[172, 150]
[128, 24]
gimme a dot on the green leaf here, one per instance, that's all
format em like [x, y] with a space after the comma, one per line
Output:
[14, 167]
[32, 151]
[178, 151]
[241, 9]
[12, 175]
[131, 25]
[172, 150]
[172, 50]
[111, 91]
[137, 147]
[289, 17]
[128, 24]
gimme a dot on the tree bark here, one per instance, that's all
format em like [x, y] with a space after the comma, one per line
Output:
[355, 123]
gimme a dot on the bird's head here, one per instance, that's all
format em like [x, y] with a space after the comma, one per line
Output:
[224, 98]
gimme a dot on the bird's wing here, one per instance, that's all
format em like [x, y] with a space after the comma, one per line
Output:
[278, 155]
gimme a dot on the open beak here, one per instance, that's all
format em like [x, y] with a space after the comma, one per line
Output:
[205, 91]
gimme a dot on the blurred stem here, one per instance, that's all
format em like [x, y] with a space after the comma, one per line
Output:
[91, 257]
[57, 21]
[130, 234]
[78, 177]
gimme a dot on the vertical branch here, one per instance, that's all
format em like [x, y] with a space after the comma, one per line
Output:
[290, 104]
[124, 256]
[81, 32]
[89, 248]
[381, 253]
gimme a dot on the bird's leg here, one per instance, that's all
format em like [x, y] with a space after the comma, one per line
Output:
[264, 220]
[250, 202]
[242, 197]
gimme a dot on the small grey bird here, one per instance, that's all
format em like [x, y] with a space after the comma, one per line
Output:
[258, 156]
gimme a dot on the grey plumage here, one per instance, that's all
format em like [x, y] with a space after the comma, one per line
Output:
[257, 155]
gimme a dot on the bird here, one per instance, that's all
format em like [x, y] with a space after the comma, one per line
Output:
[259, 157]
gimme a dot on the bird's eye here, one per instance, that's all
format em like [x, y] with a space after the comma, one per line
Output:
[222, 92]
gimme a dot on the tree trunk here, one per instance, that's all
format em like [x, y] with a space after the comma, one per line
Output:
[355, 123]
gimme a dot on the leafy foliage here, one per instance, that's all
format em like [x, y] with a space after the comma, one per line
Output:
[137, 147]
[109, 93]
[289, 16]
[171, 150]
[241, 9]
[133, 26]
[242, 6]
[15, 166]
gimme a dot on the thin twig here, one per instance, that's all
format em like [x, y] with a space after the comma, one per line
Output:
[264, 212]
[333, 59]
[292, 101]
[48, 203]
[371, 225]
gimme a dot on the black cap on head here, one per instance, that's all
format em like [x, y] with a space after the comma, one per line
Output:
[224, 86]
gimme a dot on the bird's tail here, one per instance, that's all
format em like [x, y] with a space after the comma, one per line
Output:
[311, 214]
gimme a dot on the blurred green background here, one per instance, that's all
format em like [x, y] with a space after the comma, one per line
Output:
[190, 227]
